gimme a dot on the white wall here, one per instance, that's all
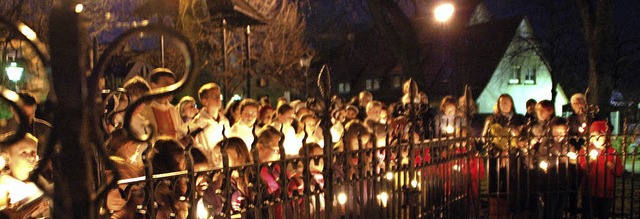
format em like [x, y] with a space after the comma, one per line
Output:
[520, 53]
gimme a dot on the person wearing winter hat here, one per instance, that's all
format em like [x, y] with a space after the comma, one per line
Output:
[604, 165]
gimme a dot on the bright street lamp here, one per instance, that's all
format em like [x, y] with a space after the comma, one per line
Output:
[14, 72]
[444, 12]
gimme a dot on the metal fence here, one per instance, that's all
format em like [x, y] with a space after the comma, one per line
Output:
[446, 177]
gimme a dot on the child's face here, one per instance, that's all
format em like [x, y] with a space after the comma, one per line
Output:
[320, 165]
[269, 152]
[310, 124]
[287, 117]
[559, 133]
[542, 113]
[351, 114]
[450, 110]
[249, 115]
[21, 158]
[375, 112]
[598, 139]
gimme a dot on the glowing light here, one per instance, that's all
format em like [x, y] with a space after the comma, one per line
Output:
[107, 16]
[79, 8]
[572, 155]
[582, 128]
[444, 12]
[201, 211]
[14, 72]
[456, 167]
[389, 176]
[236, 97]
[383, 198]
[544, 165]
[414, 183]
[593, 154]
[342, 198]
[27, 32]
[449, 129]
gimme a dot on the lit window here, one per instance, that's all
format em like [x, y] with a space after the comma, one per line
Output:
[530, 76]
[376, 84]
[515, 75]
[397, 82]
[344, 88]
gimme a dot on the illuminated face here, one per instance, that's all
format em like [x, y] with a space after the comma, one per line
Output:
[374, 112]
[578, 105]
[164, 81]
[559, 132]
[365, 140]
[597, 139]
[287, 117]
[269, 152]
[317, 167]
[310, 124]
[21, 158]
[266, 117]
[543, 114]
[351, 114]
[249, 115]
[212, 100]
[189, 109]
[450, 110]
[505, 105]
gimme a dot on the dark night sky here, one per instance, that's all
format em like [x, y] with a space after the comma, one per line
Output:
[330, 21]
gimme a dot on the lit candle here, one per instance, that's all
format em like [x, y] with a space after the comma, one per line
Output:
[593, 154]
[582, 127]
[342, 198]
[414, 183]
[544, 165]
[449, 129]
[572, 155]
[201, 210]
[383, 197]
[456, 167]
[389, 176]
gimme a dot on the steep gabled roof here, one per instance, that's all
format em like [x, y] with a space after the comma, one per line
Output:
[472, 57]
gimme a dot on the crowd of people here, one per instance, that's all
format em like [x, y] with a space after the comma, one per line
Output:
[255, 131]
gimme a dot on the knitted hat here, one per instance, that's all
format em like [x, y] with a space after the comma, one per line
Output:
[600, 127]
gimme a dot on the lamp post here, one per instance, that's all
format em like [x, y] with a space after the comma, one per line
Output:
[14, 73]
[236, 13]
[305, 63]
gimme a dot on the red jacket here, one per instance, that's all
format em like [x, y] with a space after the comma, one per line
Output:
[601, 178]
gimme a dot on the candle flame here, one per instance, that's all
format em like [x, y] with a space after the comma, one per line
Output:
[342, 198]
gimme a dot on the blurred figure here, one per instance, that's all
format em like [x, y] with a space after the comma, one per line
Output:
[162, 115]
[134, 88]
[602, 165]
[364, 97]
[311, 128]
[284, 122]
[578, 121]
[237, 155]
[19, 197]
[265, 116]
[187, 108]
[530, 116]
[36, 127]
[209, 120]
[243, 128]
[232, 111]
